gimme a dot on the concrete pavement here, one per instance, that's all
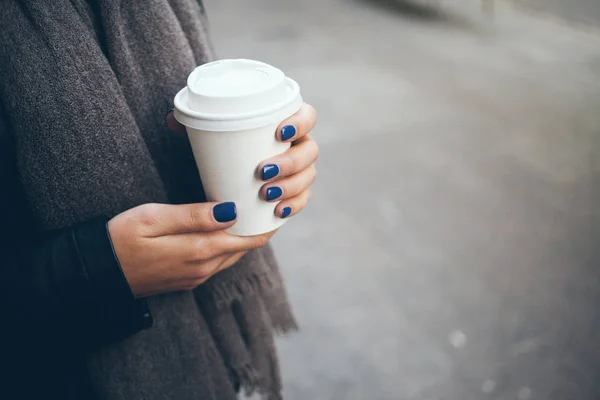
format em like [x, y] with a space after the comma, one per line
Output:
[578, 11]
[450, 250]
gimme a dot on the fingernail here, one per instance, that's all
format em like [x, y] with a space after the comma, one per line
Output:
[286, 212]
[273, 193]
[225, 212]
[269, 172]
[288, 132]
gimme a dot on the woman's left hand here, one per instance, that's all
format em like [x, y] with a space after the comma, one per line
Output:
[288, 176]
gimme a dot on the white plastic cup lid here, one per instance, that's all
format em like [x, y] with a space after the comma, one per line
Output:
[236, 94]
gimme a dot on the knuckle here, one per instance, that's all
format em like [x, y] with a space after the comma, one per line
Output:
[207, 270]
[203, 272]
[294, 164]
[313, 177]
[311, 111]
[316, 150]
[312, 148]
[201, 252]
[307, 195]
[261, 241]
[148, 216]
[197, 215]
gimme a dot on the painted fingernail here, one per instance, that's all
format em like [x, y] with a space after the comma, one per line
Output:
[269, 172]
[225, 212]
[288, 132]
[273, 193]
[286, 212]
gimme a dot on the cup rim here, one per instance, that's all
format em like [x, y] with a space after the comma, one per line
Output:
[236, 122]
[193, 76]
[180, 103]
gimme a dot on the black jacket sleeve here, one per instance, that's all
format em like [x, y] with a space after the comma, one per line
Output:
[60, 290]
[68, 289]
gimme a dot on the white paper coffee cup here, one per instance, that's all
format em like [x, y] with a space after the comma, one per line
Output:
[231, 110]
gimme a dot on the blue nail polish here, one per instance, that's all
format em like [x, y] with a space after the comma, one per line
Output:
[269, 171]
[225, 212]
[288, 132]
[286, 212]
[273, 193]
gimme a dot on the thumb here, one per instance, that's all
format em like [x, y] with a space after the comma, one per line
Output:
[167, 219]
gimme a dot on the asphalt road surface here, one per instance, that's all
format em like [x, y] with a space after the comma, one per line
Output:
[450, 251]
[579, 11]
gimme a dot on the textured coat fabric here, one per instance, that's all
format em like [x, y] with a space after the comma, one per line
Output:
[84, 87]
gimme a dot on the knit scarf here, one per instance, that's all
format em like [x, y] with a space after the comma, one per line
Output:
[86, 89]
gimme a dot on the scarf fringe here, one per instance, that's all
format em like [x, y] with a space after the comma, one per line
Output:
[253, 300]
[212, 353]
[247, 377]
[223, 294]
[284, 325]
[244, 374]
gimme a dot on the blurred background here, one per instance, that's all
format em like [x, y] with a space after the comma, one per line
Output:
[451, 249]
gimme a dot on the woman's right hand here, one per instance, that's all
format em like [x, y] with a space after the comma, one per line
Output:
[164, 248]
